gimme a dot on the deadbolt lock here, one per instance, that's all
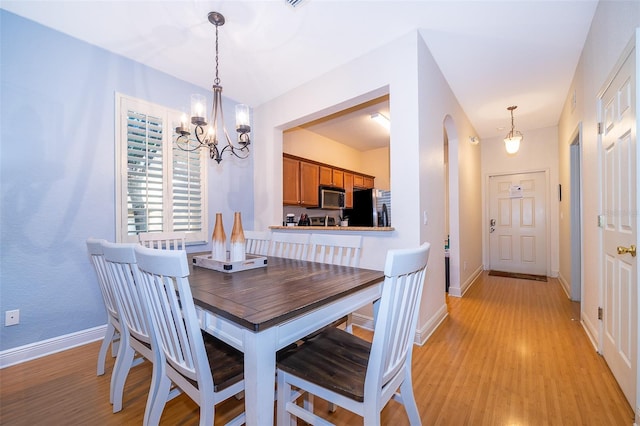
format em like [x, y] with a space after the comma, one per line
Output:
[624, 250]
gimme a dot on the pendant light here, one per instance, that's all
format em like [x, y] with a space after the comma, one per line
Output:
[514, 137]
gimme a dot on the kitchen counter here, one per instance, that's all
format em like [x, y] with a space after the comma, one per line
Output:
[333, 228]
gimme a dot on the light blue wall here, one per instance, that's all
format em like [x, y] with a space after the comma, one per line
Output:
[57, 174]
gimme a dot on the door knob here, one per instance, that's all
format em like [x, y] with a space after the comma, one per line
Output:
[624, 250]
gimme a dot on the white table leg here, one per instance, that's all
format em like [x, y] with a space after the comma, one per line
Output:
[259, 376]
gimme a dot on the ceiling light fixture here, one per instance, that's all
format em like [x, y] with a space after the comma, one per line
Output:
[514, 137]
[381, 120]
[206, 134]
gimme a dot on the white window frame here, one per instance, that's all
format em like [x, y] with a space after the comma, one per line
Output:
[170, 118]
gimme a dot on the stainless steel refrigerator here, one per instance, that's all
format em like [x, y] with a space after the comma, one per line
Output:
[371, 207]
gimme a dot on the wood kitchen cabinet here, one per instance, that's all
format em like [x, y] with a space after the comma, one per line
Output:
[338, 178]
[309, 182]
[362, 181]
[331, 177]
[348, 190]
[290, 181]
[368, 182]
[300, 181]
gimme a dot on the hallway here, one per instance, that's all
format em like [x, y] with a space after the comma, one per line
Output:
[513, 352]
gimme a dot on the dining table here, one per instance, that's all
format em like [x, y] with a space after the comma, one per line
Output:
[262, 310]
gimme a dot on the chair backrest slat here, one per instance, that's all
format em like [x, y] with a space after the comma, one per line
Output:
[289, 245]
[335, 249]
[163, 240]
[258, 242]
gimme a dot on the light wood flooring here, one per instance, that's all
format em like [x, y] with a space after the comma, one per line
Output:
[511, 352]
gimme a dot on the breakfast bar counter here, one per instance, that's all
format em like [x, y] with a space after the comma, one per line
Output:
[333, 228]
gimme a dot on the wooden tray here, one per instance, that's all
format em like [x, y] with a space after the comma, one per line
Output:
[252, 262]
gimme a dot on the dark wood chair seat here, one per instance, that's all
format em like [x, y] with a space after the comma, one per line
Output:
[229, 362]
[333, 359]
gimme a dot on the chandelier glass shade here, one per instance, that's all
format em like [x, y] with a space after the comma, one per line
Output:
[513, 138]
[210, 133]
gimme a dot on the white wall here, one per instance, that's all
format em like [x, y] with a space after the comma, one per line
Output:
[419, 100]
[538, 152]
[465, 208]
[613, 26]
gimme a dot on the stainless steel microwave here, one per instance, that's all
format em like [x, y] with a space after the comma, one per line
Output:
[331, 198]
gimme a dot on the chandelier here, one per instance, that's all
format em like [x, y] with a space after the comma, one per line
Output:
[514, 137]
[206, 133]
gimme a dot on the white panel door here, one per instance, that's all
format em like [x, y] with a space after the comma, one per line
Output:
[517, 223]
[619, 222]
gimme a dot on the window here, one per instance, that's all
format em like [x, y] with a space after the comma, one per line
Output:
[159, 186]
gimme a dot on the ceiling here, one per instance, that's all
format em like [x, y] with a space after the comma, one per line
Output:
[493, 53]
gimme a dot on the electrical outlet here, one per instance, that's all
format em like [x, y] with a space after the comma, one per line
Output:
[12, 317]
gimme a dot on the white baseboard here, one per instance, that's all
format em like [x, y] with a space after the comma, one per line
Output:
[591, 330]
[565, 285]
[422, 334]
[35, 350]
[362, 321]
[460, 291]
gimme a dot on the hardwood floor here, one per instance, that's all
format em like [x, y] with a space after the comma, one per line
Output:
[511, 352]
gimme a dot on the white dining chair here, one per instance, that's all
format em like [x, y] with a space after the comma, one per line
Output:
[205, 368]
[163, 240]
[112, 334]
[353, 373]
[289, 245]
[335, 249]
[257, 242]
[136, 331]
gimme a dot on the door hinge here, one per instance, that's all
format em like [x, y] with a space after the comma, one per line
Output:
[599, 313]
[599, 128]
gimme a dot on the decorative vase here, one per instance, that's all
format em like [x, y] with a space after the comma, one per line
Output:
[238, 242]
[219, 241]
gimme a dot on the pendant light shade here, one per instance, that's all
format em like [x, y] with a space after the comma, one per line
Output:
[514, 137]
[512, 145]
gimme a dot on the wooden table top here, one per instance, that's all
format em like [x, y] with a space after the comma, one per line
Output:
[263, 297]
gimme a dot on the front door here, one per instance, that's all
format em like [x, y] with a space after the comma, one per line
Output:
[619, 223]
[517, 223]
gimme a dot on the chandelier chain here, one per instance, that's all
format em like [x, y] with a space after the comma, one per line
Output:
[216, 81]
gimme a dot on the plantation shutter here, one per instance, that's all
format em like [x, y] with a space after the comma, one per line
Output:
[144, 173]
[187, 190]
[160, 188]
